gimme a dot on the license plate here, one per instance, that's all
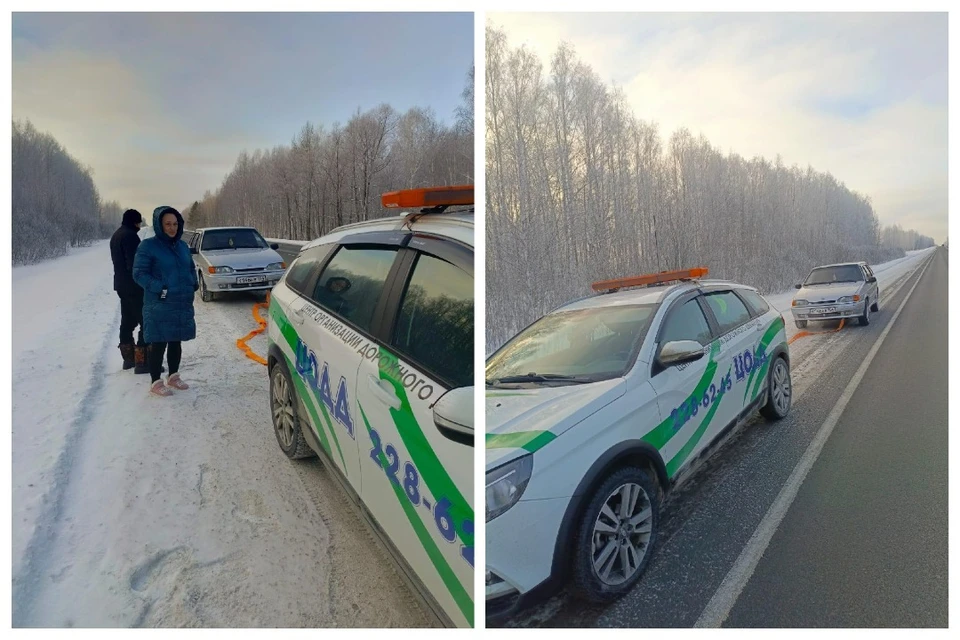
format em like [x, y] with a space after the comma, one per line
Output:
[251, 279]
[823, 310]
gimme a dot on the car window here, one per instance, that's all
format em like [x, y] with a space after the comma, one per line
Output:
[687, 322]
[868, 270]
[220, 239]
[586, 345]
[829, 275]
[435, 324]
[755, 301]
[351, 283]
[729, 310]
[304, 265]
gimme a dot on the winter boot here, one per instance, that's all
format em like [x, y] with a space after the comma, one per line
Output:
[157, 389]
[126, 350]
[175, 382]
[140, 360]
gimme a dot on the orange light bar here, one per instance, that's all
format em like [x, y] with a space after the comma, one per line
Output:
[429, 197]
[650, 278]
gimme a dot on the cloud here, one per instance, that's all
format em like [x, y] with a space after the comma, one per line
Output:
[862, 96]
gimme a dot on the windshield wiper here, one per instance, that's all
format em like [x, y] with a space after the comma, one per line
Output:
[536, 377]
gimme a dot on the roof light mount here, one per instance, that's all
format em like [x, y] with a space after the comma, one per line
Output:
[646, 280]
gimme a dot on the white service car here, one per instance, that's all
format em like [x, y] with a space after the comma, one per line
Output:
[595, 410]
[370, 359]
[837, 291]
[234, 259]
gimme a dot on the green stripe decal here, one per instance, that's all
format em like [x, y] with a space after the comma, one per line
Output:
[460, 596]
[662, 434]
[765, 341]
[681, 456]
[302, 391]
[431, 470]
[290, 335]
[529, 440]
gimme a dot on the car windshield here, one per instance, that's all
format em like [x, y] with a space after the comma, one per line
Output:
[232, 239]
[829, 275]
[584, 345]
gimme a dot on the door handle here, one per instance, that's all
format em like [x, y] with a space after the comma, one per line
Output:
[384, 395]
[298, 316]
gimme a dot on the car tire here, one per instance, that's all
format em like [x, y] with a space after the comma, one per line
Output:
[205, 294]
[283, 408]
[594, 531]
[865, 318]
[876, 306]
[801, 324]
[779, 391]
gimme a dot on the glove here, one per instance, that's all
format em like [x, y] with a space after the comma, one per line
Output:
[163, 293]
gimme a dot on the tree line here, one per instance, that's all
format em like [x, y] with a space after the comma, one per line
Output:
[579, 189]
[55, 203]
[330, 176]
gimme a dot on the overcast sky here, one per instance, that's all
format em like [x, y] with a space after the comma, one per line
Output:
[862, 96]
[160, 105]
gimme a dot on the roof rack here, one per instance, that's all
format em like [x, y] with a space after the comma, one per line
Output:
[682, 275]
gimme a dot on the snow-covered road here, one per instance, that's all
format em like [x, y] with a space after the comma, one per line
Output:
[131, 510]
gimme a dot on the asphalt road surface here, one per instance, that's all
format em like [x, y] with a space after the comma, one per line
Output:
[864, 542]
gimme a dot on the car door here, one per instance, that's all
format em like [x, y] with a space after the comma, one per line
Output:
[873, 288]
[740, 332]
[340, 314]
[417, 477]
[681, 389]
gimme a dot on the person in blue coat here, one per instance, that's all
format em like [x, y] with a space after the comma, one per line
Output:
[164, 268]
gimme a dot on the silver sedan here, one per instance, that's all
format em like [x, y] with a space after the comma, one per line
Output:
[234, 259]
[836, 291]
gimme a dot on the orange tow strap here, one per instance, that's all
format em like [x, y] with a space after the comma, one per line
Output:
[242, 342]
[803, 334]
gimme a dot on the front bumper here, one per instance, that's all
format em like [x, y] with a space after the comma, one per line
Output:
[520, 547]
[828, 311]
[223, 282]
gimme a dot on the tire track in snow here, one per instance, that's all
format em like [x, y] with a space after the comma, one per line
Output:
[37, 554]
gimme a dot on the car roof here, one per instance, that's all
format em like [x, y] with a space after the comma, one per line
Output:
[841, 264]
[647, 295]
[457, 225]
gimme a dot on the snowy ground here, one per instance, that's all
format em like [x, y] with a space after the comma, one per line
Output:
[130, 510]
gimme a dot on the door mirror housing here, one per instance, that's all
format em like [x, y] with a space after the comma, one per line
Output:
[193, 250]
[453, 415]
[872, 279]
[680, 351]
[798, 286]
[274, 246]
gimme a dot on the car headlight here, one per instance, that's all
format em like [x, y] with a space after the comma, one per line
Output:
[505, 485]
[848, 299]
[276, 266]
[800, 303]
[220, 270]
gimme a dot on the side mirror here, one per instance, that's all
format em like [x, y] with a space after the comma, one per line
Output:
[274, 246]
[680, 351]
[453, 415]
[193, 250]
[798, 286]
[872, 279]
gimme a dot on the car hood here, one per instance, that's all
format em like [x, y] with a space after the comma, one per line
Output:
[523, 420]
[818, 292]
[242, 258]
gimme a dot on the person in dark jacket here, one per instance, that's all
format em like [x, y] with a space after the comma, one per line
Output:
[164, 268]
[123, 248]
